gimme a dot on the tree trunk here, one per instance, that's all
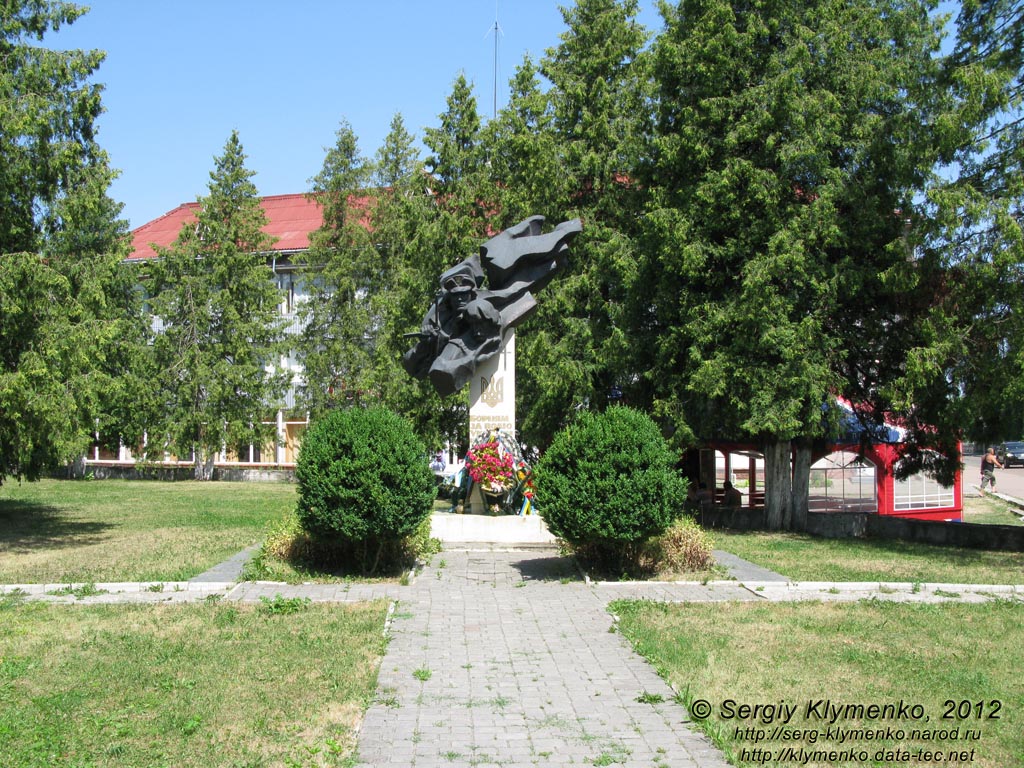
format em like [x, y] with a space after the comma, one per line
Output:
[801, 484]
[708, 468]
[76, 469]
[203, 465]
[376, 557]
[778, 485]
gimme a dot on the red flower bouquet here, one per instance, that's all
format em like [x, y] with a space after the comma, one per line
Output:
[490, 466]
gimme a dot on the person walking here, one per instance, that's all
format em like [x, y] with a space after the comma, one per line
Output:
[989, 462]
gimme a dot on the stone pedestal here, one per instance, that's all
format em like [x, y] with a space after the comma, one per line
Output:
[492, 393]
[492, 406]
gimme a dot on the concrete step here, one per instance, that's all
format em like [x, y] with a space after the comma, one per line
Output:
[493, 530]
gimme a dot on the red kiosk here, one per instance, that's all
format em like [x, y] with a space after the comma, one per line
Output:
[845, 478]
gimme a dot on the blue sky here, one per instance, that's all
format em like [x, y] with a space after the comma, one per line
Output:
[180, 76]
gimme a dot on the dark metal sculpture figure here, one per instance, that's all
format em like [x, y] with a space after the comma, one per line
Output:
[484, 296]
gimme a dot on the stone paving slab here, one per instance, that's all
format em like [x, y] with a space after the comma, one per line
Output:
[491, 529]
[190, 591]
[674, 592]
[480, 567]
[507, 658]
[230, 569]
[345, 592]
[744, 570]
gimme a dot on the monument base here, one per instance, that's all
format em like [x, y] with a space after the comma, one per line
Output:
[475, 503]
[492, 393]
[479, 502]
[507, 530]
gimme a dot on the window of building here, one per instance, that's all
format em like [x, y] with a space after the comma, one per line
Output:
[286, 283]
[921, 492]
[843, 482]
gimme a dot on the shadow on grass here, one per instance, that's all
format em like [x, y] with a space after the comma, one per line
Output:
[321, 563]
[26, 527]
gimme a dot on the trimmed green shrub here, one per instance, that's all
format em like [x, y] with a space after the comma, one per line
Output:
[608, 483]
[363, 480]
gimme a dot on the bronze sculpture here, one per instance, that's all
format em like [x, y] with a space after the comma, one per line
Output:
[484, 296]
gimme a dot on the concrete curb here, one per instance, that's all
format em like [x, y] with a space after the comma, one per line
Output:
[119, 592]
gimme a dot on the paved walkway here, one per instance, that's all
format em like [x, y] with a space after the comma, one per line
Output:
[508, 658]
[744, 570]
[230, 569]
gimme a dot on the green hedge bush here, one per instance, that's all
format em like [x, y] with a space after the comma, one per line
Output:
[608, 483]
[363, 480]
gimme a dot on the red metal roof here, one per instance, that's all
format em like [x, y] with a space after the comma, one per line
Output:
[290, 219]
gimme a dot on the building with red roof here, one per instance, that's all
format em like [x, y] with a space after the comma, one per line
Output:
[291, 220]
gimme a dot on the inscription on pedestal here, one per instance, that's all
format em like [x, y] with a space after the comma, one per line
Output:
[492, 393]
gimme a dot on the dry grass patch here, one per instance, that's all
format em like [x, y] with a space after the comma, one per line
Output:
[290, 554]
[861, 653]
[683, 552]
[196, 685]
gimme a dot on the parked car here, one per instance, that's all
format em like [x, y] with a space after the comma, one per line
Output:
[1010, 454]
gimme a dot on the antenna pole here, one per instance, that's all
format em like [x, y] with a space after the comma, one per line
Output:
[496, 31]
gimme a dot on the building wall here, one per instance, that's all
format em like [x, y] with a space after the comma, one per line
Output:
[851, 525]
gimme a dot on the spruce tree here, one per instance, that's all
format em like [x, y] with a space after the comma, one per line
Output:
[789, 144]
[970, 226]
[571, 351]
[524, 154]
[342, 274]
[218, 307]
[410, 263]
[464, 204]
[69, 319]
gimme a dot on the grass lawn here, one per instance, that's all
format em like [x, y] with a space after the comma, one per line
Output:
[807, 558]
[859, 653]
[58, 531]
[209, 684]
[990, 511]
